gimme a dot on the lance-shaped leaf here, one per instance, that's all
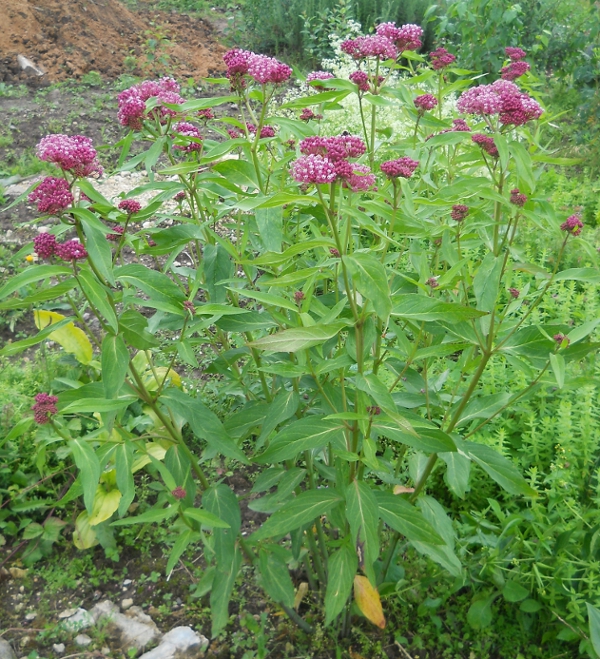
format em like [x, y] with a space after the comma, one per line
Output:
[362, 514]
[429, 440]
[154, 284]
[281, 408]
[302, 510]
[99, 296]
[105, 505]
[71, 338]
[275, 576]
[98, 247]
[124, 472]
[371, 280]
[499, 468]
[299, 338]
[422, 308]
[149, 517]
[405, 518]
[181, 544]
[115, 362]
[368, 601]
[89, 469]
[341, 570]
[222, 587]
[29, 275]
[302, 435]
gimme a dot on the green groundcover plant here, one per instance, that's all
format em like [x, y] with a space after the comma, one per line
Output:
[352, 291]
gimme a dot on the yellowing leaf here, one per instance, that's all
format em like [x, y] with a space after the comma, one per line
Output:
[84, 535]
[155, 450]
[402, 489]
[105, 504]
[71, 338]
[152, 383]
[367, 599]
[17, 573]
[300, 593]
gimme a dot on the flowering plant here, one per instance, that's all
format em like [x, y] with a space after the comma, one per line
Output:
[353, 289]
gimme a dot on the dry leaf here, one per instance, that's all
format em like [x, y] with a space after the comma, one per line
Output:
[354, 655]
[300, 593]
[367, 599]
[402, 489]
[17, 573]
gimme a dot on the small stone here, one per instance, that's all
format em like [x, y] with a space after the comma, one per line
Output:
[30, 616]
[105, 651]
[78, 619]
[83, 640]
[6, 651]
[127, 582]
[179, 643]
[126, 603]
[59, 648]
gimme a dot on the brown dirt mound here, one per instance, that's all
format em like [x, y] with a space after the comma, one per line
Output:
[67, 39]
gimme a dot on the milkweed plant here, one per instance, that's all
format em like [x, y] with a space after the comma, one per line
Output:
[347, 293]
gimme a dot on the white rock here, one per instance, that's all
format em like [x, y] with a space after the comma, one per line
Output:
[134, 633]
[59, 648]
[126, 603]
[179, 643]
[6, 651]
[30, 616]
[77, 620]
[127, 582]
[28, 66]
[83, 640]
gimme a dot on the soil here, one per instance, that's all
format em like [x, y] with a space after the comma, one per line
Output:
[69, 39]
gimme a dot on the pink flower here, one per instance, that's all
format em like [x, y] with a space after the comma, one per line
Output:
[361, 79]
[117, 232]
[130, 206]
[425, 102]
[572, 225]
[502, 97]
[45, 405]
[335, 148]
[514, 54]
[407, 37]
[319, 75]
[514, 70]
[402, 167]
[44, 245]
[486, 143]
[237, 62]
[514, 292]
[71, 250]
[299, 296]
[179, 492]
[441, 58]
[267, 69]
[186, 129]
[73, 154]
[132, 102]
[189, 306]
[360, 179]
[179, 197]
[459, 212]
[479, 100]
[561, 338]
[206, 114]
[460, 125]
[52, 195]
[517, 198]
[307, 114]
[265, 131]
[432, 282]
[313, 168]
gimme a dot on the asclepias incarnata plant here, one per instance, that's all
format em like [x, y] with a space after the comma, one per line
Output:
[351, 291]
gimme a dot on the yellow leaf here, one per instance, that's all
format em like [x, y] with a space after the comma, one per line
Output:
[155, 450]
[402, 489]
[300, 593]
[105, 504]
[71, 338]
[17, 573]
[367, 599]
[84, 535]
[152, 383]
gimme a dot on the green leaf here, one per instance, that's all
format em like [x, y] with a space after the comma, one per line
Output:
[124, 469]
[204, 423]
[181, 544]
[302, 510]
[19, 346]
[99, 250]
[30, 275]
[275, 577]
[406, 519]
[134, 327]
[154, 284]
[341, 569]
[428, 440]
[514, 592]
[205, 518]
[239, 172]
[217, 268]
[422, 308]
[558, 368]
[479, 615]
[221, 501]
[302, 435]
[222, 587]
[316, 99]
[99, 296]
[458, 470]
[91, 405]
[499, 468]
[267, 298]
[373, 386]
[300, 338]
[115, 363]
[371, 280]
[43, 295]
[270, 227]
[584, 275]
[362, 514]
[487, 282]
[89, 469]
[483, 407]
[281, 408]
[149, 517]
[594, 623]
[248, 322]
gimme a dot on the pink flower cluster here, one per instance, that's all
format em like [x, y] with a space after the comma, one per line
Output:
[460, 125]
[45, 246]
[441, 58]
[572, 225]
[374, 45]
[486, 143]
[265, 131]
[52, 195]
[72, 154]
[307, 114]
[117, 232]
[130, 206]
[402, 167]
[514, 70]
[503, 98]
[206, 114]
[186, 129]
[406, 37]
[319, 76]
[361, 79]
[45, 405]
[459, 212]
[261, 68]
[325, 159]
[425, 102]
[518, 198]
[514, 54]
[132, 101]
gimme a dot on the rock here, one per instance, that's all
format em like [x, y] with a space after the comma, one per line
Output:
[6, 651]
[30, 616]
[126, 603]
[74, 620]
[134, 631]
[59, 648]
[29, 67]
[83, 640]
[179, 643]
[127, 582]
